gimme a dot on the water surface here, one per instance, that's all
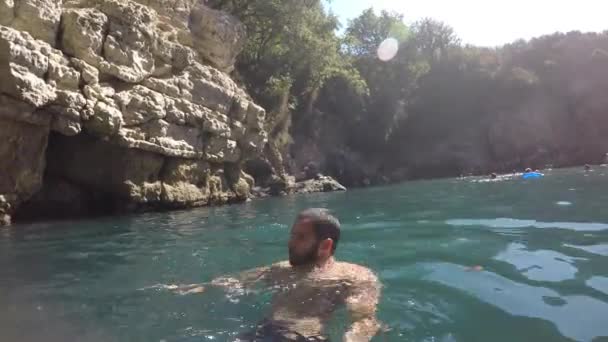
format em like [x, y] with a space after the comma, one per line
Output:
[542, 246]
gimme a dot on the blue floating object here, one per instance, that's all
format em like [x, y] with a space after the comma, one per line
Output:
[532, 175]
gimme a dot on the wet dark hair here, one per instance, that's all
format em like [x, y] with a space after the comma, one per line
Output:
[325, 225]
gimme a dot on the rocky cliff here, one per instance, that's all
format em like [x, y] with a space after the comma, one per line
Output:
[121, 105]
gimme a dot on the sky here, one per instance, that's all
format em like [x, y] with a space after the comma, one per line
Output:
[491, 22]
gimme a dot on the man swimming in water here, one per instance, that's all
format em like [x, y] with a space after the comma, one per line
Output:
[311, 286]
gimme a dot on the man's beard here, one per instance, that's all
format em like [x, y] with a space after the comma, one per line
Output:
[308, 258]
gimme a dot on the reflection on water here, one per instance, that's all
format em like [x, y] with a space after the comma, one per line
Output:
[564, 203]
[539, 265]
[599, 283]
[578, 317]
[600, 249]
[459, 261]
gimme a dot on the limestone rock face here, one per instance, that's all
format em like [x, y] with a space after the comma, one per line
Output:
[131, 96]
[40, 18]
[214, 29]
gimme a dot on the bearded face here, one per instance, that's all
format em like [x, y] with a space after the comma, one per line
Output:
[303, 245]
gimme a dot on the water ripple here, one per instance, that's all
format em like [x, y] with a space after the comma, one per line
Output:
[528, 301]
[600, 249]
[541, 265]
[517, 223]
[598, 283]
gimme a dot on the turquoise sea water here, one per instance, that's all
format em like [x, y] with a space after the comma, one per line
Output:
[542, 246]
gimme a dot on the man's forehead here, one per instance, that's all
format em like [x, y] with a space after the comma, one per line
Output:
[302, 225]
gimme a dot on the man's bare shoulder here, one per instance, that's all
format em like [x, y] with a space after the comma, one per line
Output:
[356, 272]
[280, 266]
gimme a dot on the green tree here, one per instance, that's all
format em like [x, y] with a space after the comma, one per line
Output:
[389, 83]
[436, 108]
[366, 32]
[290, 40]
[433, 39]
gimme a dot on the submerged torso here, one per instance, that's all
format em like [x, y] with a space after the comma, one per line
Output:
[304, 301]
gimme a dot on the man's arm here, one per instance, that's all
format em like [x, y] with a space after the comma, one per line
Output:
[242, 280]
[238, 282]
[361, 305]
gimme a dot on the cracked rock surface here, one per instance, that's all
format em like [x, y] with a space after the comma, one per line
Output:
[124, 105]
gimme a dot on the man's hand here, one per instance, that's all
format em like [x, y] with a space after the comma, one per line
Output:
[194, 290]
[362, 330]
[239, 283]
[227, 282]
[180, 289]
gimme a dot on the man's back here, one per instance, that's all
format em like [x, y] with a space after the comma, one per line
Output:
[303, 301]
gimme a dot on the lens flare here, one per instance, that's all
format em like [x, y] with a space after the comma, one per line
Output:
[388, 49]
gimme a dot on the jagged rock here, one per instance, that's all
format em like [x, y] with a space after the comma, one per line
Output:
[319, 184]
[204, 86]
[24, 63]
[254, 141]
[38, 17]
[239, 109]
[255, 116]
[176, 137]
[106, 120]
[280, 186]
[115, 36]
[222, 150]
[132, 111]
[221, 34]
[241, 189]
[62, 74]
[7, 11]
[140, 105]
[65, 125]
[5, 208]
[219, 188]
[242, 183]
[66, 112]
[248, 178]
[89, 74]
[186, 182]
[22, 154]
[177, 12]
[15, 110]
[84, 32]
